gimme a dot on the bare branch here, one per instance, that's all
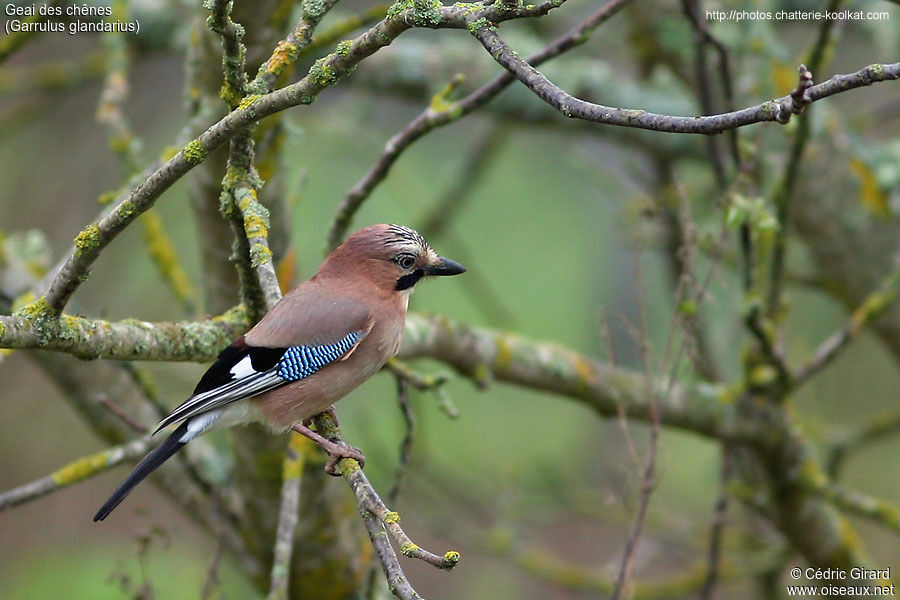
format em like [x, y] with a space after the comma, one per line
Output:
[325, 73]
[292, 471]
[409, 421]
[778, 110]
[800, 98]
[396, 579]
[881, 511]
[720, 511]
[441, 112]
[368, 500]
[874, 305]
[76, 471]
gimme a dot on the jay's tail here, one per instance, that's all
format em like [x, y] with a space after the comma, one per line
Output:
[161, 454]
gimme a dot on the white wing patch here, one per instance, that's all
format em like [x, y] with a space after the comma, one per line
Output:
[244, 368]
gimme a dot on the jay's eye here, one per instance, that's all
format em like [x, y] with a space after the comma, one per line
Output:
[405, 261]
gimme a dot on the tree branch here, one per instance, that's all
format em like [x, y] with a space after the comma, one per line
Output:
[874, 305]
[441, 112]
[130, 339]
[76, 471]
[324, 73]
[779, 109]
[292, 472]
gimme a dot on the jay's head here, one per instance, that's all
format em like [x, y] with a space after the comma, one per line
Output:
[393, 257]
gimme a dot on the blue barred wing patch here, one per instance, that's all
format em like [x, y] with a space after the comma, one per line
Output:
[299, 362]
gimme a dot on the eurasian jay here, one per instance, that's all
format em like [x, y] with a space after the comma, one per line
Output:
[319, 342]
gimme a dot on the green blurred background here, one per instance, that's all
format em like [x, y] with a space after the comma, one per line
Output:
[554, 229]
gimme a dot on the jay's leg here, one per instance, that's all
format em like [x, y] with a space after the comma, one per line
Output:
[336, 451]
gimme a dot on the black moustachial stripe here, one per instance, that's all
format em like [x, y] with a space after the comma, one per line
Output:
[410, 279]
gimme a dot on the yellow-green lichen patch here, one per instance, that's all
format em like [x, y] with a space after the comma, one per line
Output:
[478, 25]
[120, 144]
[255, 226]
[194, 152]
[80, 469]
[424, 13]
[2, 329]
[504, 354]
[259, 254]
[70, 325]
[256, 216]
[88, 239]
[391, 517]
[849, 538]
[229, 94]
[441, 102]
[408, 549]
[348, 466]
[321, 73]
[127, 209]
[451, 557]
[762, 376]
[22, 301]
[313, 9]
[343, 48]
[246, 101]
[236, 315]
[584, 371]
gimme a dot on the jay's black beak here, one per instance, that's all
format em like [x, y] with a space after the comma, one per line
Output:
[445, 267]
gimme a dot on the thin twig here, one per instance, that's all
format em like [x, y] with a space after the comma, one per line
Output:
[123, 416]
[396, 579]
[704, 88]
[368, 499]
[212, 572]
[441, 112]
[800, 98]
[874, 305]
[777, 110]
[717, 529]
[94, 238]
[629, 553]
[701, 27]
[234, 53]
[409, 422]
[297, 41]
[288, 516]
[881, 511]
[76, 471]
[882, 425]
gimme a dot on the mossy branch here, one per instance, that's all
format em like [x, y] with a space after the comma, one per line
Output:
[234, 53]
[34, 327]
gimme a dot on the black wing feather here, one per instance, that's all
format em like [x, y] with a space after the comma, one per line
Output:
[219, 373]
